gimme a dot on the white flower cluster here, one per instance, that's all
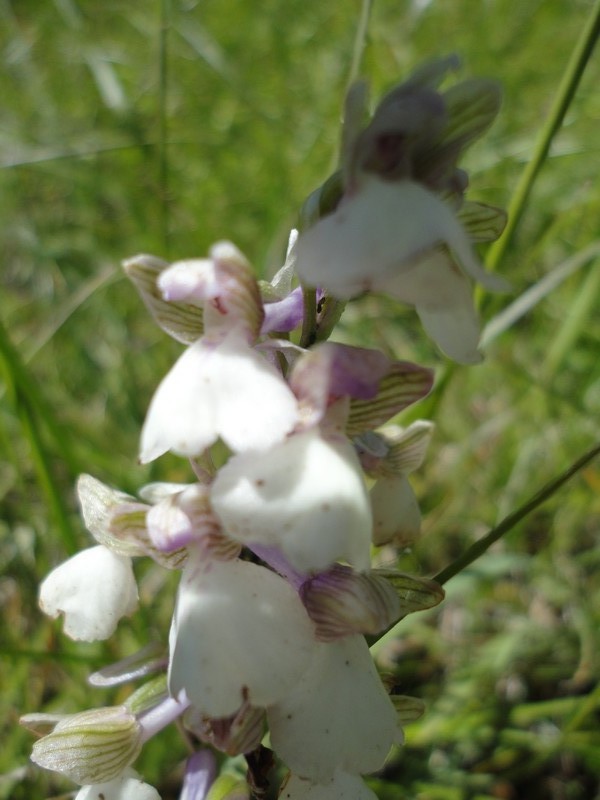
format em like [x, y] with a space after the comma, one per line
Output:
[274, 543]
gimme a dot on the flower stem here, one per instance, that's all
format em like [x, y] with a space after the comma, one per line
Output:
[309, 323]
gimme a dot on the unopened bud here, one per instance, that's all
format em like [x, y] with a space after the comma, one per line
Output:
[91, 747]
[408, 708]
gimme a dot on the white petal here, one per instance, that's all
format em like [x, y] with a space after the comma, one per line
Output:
[305, 495]
[380, 230]
[401, 239]
[396, 513]
[225, 390]
[338, 717]
[127, 787]
[444, 302]
[255, 406]
[94, 589]
[342, 787]
[455, 331]
[238, 629]
[180, 418]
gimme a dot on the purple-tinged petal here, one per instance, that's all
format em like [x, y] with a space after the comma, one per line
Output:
[341, 370]
[357, 371]
[342, 602]
[284, 315]
[151, 658]
[162, 714]
[223, 285]
[332, 370]
[199, 776]
[404, 384]
[186, 517]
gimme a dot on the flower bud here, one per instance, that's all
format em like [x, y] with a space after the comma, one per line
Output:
[91, 747]
[408, 708]
[98, 505]
[414, 594]
[228, 787]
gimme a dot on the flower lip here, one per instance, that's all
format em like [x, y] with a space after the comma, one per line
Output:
[225, 390]
[93, 589]
[239, 632]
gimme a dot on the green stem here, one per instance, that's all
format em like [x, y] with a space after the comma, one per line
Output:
[563, 99]
[479, 548]
[309, 322]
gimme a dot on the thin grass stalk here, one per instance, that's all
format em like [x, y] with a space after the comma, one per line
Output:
[360, 40]
[508, 523]
[163, 154]
[19, 382]
[25, 406]
[479, 547]
[575, 321]
[43, 465]
[564, 97]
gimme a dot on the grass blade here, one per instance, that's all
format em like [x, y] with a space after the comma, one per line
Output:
[563, 99]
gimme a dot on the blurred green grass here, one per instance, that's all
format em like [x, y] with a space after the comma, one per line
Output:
[118, 138]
